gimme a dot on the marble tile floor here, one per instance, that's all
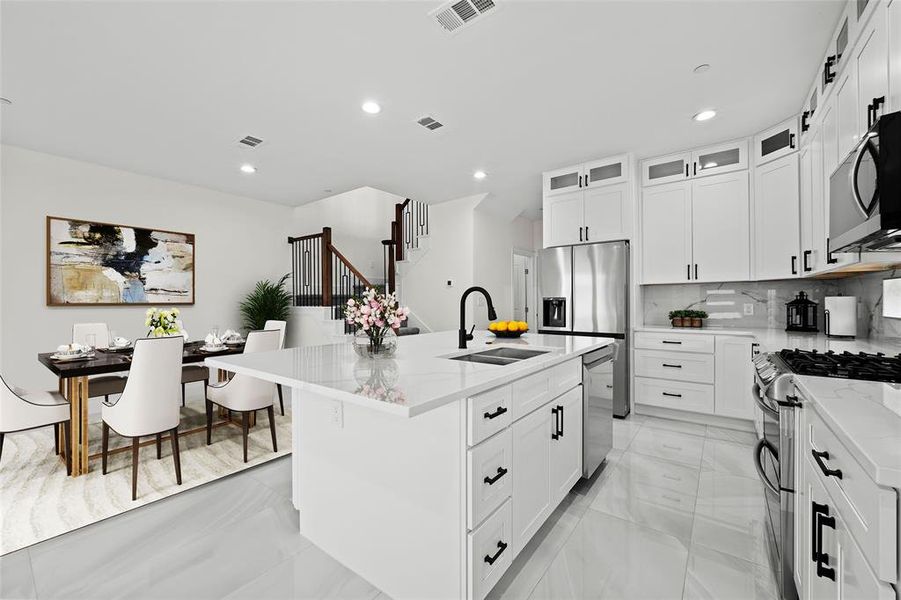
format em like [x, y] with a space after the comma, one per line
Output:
[646, 526]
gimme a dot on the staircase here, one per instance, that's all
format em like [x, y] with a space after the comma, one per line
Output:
[323, 279]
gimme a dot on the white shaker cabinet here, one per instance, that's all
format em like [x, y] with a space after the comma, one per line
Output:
[721, 249]
[666, 169]
[722, 158]
[561, 181]
[606, 213]
[847, 131]
[734, 377]
[872, 73]
[893, 35]
[566, 444]
[776, 142]
[563, 214]
[666, 233]
[777, 219]
[531, 474]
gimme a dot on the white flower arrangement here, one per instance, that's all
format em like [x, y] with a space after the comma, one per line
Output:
[375, 314]
[164, 322]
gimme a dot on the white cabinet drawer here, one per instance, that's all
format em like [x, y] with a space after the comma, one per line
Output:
[679, 395]
[566, 376]
[488, 413]
[488, 469]
[490, 553]
[870, 512]
[675, 342]
[531, 392]
[681, 366]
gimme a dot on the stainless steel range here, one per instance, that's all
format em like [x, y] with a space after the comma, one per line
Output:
[774, 454]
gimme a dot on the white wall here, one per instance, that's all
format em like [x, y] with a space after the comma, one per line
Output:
[360, 219]
[238, 242]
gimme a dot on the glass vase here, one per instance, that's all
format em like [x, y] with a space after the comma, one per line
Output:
[374, 344]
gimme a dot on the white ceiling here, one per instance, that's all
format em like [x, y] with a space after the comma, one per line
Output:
[167, 88]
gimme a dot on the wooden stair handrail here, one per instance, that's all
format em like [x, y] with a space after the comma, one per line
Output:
[350, 267]
[291, 240]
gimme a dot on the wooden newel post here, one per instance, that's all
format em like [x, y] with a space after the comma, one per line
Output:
[398, 231]
[326, 266]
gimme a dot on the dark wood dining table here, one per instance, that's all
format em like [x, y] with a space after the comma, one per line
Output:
[74, 385]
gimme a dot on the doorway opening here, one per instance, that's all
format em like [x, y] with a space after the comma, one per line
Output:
[524, 290]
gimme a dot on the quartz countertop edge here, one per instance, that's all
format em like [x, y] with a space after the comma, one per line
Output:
[424, 374]
[866, 417]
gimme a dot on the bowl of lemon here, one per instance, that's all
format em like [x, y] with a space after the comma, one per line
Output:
[508, 329]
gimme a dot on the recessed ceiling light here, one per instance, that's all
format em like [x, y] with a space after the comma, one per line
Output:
[246, 168]
[5, 101]
[705, 115]
[702, 68]
[480, 175]
[371, 107]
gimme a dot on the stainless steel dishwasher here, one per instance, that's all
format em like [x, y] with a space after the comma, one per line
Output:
[597, 407]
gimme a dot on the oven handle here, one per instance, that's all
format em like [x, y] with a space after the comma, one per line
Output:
[758, 450]
[766, 408]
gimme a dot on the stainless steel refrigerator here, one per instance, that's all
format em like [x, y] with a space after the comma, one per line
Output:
[584, 290]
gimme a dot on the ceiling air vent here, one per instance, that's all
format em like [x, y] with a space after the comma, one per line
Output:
[456, 14]
[430, 123]
[251, 141]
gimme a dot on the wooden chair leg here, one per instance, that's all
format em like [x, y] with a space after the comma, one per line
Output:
[175, 455]
[159, 446]
[135, 444]
[281, 398]
[209, 422]
[271, 411]
[104, 446]
[182, 394]
[56, 438]
[245, 425]
[67, 433]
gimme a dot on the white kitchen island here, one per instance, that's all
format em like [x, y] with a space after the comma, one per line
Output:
[426, 475]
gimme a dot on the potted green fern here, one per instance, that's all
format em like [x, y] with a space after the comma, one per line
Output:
[268, 301]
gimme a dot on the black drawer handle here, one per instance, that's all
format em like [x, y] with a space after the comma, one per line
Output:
[556, 434]
[820, 457]
[500, 410]
[672, 366]
[672, 395]
[501, 546]
[820, 515]
[501, 471]
[670, 342]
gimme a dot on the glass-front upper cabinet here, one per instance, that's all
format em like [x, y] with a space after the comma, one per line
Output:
[606, 172]
[562, 180]
[776, 142]
[666, 169]
[722, 158]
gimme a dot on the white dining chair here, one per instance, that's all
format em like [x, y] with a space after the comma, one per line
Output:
[150, 403]
[280, 326]
[21, 410]
[243, 393]
[101, 385]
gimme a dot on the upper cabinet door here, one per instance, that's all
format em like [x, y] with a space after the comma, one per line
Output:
[665, 169]
[722, 158]
[720, 228]
[872, 73]
[666, 233]
[893, 35]
[777, 220]
[609, 171]
[563, 220]
[607, 214]
[847, 130]
[776, 142]
[562, 180]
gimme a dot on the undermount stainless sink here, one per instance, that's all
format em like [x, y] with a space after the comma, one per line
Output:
[500, 356]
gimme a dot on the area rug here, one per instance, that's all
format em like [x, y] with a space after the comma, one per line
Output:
[38, 501]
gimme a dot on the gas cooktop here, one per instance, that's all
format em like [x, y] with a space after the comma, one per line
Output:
[847, 365]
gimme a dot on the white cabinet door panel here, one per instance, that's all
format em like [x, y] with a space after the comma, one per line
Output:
[846, 111]
[721, 245]
[776, 142]
[563, 219]
[563, 180]
[607, 171]
[566, 449]
[606, 213]
[531, 470]
[665, 169]
[872, 72]
[777, 219]
[666, 233]
[722, 158]
[893, 35]
[734, 377]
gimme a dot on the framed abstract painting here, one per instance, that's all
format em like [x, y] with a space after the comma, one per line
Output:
[104, 264]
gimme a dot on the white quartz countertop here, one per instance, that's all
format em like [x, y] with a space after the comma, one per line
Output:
[773, 340]
[417, 379]
[866, 416]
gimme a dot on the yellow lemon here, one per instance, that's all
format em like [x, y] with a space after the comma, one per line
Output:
[502, 326]
[492, 326]
[513, 326]
[523, 326]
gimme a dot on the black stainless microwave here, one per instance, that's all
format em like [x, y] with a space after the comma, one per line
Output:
[865, 192]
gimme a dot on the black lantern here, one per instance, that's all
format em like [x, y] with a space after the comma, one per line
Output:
[801, 314]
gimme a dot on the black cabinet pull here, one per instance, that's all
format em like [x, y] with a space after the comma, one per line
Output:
[501, 546]
[672, 395]
[686, 169]
[794, 265]
[501, 471]
[696, 271]
[821, 457]
[829, 259]
[694, 169]
[586, 233]
[815, 545]
[870, 115]
[500, 410]
[580, 234]
[580, 181]
[820, 516]
[804, 125]
[669, 342]
[688, 271]
[556, 434]
[828, 75]
[560, 414]
[807, 267]
[791, 140]
[672, 366]
[877, 102]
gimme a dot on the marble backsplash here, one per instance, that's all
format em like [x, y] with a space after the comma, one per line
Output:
[727, 304]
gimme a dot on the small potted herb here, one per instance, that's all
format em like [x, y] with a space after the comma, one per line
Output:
[676, 317]
[697, 318]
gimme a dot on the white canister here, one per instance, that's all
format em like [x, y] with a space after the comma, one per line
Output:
[841, 316]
